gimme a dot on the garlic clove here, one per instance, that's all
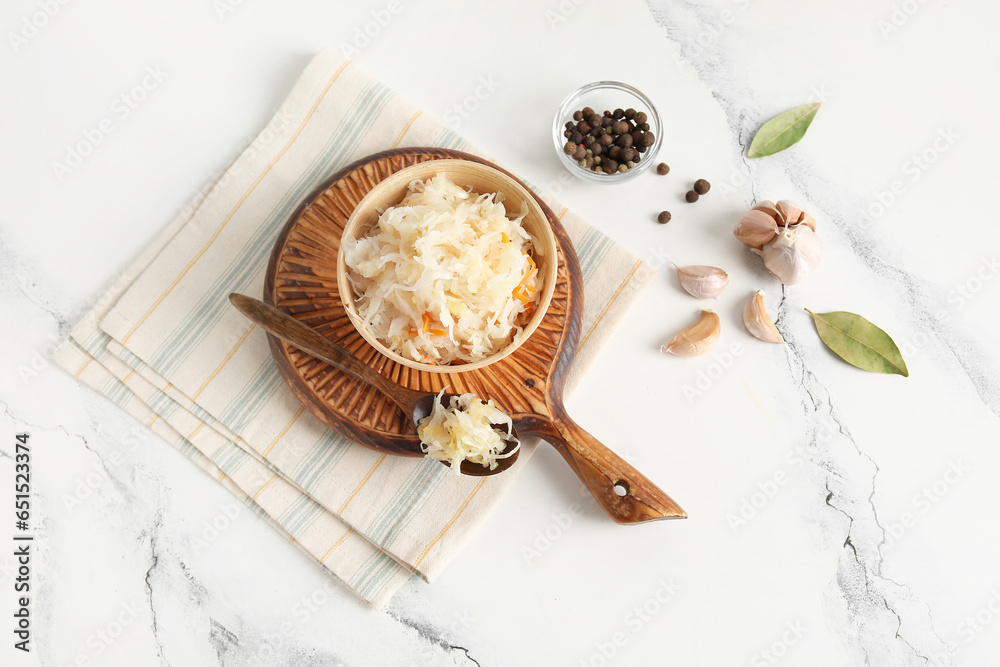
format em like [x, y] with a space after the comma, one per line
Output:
[808, 221]
[703, 282]
[696, 339]
[758, 322]
[756, 228]
[767, 206]
[790, 211]
[793, 253]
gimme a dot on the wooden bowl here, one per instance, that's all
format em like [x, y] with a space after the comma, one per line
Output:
[480, 178]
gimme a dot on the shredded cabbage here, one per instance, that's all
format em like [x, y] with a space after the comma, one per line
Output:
[464, 431]
[445, 276]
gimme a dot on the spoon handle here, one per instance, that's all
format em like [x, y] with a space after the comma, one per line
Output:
[290, 330]
[601, 471]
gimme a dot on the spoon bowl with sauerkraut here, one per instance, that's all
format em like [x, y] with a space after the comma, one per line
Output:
[447, 266]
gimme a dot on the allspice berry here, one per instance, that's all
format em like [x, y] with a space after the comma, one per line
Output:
[663, 169]
[620, 127]
[577, 115]
[701, 186]
[640, 117]
[691, 196]
[663, 218]
[569, 148]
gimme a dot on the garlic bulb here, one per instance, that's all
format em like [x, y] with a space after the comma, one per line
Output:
[758, 322]
[703, 282]
[696, 339]
[794, 253]
[785, 236]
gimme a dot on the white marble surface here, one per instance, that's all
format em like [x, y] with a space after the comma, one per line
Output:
[869, 533]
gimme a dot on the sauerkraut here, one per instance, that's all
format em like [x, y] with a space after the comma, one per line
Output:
[464, 431]
[445, 276]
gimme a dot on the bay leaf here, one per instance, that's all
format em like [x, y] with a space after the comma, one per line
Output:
[859, 342]
[782, 131]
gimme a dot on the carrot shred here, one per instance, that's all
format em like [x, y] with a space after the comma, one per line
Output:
[427, 322]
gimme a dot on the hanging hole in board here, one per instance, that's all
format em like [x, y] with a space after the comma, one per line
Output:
[621, 488]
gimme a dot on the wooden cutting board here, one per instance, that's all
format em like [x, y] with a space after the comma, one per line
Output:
[527, 384]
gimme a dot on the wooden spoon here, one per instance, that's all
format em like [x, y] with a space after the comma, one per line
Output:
[416, 403]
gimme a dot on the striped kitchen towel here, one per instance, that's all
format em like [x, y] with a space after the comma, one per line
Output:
[166, 345]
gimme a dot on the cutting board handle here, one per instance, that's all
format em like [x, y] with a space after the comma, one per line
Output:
[623, 492]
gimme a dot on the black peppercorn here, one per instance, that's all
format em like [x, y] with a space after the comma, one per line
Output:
[640, 117]
[663, 169]
[663, 218]
[691, 196]
[701, 186]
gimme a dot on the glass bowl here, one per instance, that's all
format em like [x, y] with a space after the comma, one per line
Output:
[610, 95]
